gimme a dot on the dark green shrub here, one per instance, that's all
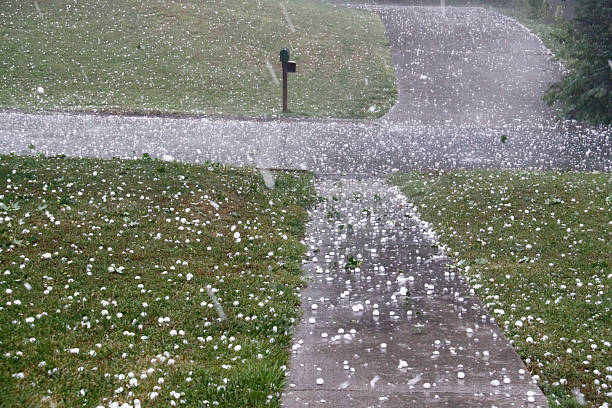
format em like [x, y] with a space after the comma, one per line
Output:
[586, 92]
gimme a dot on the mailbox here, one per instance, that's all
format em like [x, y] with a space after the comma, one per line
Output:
[288, 66]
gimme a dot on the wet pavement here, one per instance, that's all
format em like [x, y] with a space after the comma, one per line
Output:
[467, 66]
[327, 147]
[386, 322]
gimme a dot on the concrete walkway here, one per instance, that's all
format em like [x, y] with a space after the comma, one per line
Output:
[386, 323]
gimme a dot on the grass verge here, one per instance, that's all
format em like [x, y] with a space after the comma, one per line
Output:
[194, 57]
[536, 247]
[107, 273]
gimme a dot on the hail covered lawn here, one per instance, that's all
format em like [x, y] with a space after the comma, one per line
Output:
[146, 280]
[536, 247]
[193, 56]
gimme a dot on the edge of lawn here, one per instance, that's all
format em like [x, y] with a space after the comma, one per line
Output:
[123, 242]
[533, 246]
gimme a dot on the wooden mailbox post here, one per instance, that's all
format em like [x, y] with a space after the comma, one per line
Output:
[288, 66]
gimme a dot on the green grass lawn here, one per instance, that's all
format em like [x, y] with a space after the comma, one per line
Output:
[536, 247]
[193, 56]
[107, 270]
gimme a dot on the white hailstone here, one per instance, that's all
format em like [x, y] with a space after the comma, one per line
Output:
[153, 395]
[324, 335]
[320, 381]
[8, 291]
[529, 339]
[383, 345]
[46, 255]
[27, 286]
[238, 348]
[495, 383]
[426, 385]
[403, 291]
[518, 323]
[314, 306]
[461, 375]
[236, 235]
[402, 364]
[29, 319]
[40, 90]
[133, 382]
[507, 380]
[521, 371]
[74, 351]
[375, 312]
[311, 320]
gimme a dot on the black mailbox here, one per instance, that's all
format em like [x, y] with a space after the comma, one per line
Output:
[291, 66]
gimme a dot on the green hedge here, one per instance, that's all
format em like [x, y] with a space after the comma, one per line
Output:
[583, 43]
[586, 92]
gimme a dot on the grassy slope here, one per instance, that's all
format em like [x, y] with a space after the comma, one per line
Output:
[193, 57]
[537, 247]
[133, 242]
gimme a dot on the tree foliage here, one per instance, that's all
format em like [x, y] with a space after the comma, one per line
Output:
[585, 93]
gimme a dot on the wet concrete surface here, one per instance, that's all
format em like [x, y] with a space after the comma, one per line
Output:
[386, 321]
[467, 66]
[326, 147]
